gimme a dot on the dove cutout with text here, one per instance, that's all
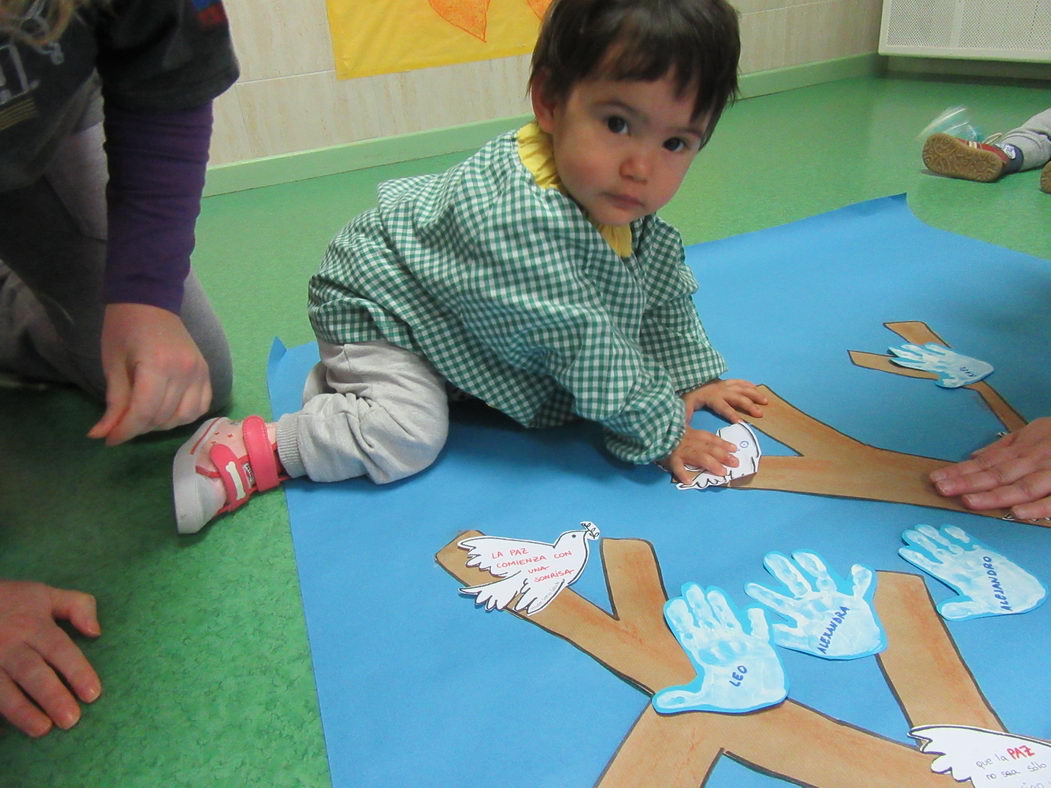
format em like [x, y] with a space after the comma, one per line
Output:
[829, 618]
[986, 757]
[737, 668]
[953, 370]
[747, 454]
[535, 572]
[987, 583]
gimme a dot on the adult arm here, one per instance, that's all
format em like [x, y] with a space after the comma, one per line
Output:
[156, 377]
[161, 63]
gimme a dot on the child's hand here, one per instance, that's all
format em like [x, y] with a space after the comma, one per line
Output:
[700, 449]
[727, 398]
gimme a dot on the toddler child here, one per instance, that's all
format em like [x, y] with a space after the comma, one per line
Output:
[534, 276]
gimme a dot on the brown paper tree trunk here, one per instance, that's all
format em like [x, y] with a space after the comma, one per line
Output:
[924, 671]
[921, 664]
[832, 463]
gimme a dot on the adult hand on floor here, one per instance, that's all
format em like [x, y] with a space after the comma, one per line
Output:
[156, 377]
[36, 655]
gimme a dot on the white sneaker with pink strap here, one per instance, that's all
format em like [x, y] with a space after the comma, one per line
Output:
[220, 467]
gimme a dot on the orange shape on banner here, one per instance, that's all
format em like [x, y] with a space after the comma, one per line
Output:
[370, 38]
[539, 7]
[468, 15]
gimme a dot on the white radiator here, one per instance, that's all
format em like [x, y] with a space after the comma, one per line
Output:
[974, 29]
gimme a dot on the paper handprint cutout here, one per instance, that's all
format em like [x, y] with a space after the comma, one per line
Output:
[987, 583]
[747, 454]
[737, 669]
[953, 370]
[830, 618]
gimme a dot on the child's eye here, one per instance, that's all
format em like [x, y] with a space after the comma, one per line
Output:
[617, 124]
[676, 144]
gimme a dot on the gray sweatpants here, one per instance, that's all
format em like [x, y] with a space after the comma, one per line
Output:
[369, 409]
[1033, 138]
[52, 260]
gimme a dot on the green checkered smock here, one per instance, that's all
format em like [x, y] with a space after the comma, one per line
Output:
[514, 297]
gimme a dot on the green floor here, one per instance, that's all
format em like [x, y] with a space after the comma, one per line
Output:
[204, 657]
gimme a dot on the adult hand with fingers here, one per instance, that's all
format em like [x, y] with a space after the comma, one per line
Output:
[737, 669]
[1014, 471]
[156, 377]
[829, 619]
[39, 663]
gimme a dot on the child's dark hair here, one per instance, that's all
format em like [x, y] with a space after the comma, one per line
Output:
[696, 41]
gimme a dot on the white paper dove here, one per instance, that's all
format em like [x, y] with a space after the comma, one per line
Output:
[986, 757]
[533, 571]
[747, 454]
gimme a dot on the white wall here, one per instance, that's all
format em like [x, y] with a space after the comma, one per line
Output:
[288, 98]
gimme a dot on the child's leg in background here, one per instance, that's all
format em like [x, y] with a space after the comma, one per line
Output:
[1032, 139]
[370, 409]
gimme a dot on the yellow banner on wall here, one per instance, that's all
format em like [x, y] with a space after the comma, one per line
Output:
[382, 36]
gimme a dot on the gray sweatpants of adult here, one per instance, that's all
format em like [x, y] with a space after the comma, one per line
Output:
[1033, 139]
[52, 261]
[369, 409]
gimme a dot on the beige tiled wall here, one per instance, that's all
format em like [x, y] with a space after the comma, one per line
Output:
[288, 98]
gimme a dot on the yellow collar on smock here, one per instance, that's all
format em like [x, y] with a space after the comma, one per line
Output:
[534, 148]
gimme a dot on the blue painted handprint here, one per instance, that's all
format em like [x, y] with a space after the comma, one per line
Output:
[987, 583]
[828, 619]
[737, 670]
[953, 370]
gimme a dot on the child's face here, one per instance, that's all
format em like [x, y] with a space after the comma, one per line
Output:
[621, 147]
